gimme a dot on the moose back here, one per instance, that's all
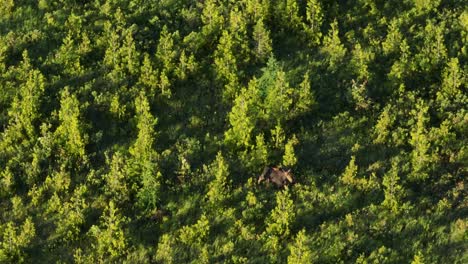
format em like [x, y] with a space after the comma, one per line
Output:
[278, 176]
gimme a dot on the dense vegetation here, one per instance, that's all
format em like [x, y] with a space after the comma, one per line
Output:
[133, 131]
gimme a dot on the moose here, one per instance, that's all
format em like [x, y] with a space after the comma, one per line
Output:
[278, 176]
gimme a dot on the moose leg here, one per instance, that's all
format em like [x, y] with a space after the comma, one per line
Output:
[265, 175]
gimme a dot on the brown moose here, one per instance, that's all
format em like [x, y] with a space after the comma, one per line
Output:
[278, 176]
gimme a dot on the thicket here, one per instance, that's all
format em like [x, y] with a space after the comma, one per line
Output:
[133, 131]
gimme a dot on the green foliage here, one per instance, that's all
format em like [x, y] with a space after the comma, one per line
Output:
[195, 234]
[165, 51]
[164, 252]
[305, 97]
[450, 95]
[418, 259]
[277, 136]
[289, 158]
[359, 96]
[259, 152]
[393, 190]
[350, 173]
[116, 182]
[278, 225]
[15, 239]
[142, 149]
[300, 251]
[383, 125]
[6, 9]
[69, 56]
[149, 75]
[278, 100]
[288, 13]
[114, 115]
[402, 67]
[333, 50]
[262, 46]
[393, 38]
[280, 219]
[421, 157]
[257, 9]
[361, 59]
[434, 52]
[71, 216]
[423, 6]
[143, 164]
[314, 16]
[25, 108]
[212, 17]
[218, 188]
[121, 56]
[244, 115]
[70, 132]
[226, 64]
[166, 56]
[109, 238]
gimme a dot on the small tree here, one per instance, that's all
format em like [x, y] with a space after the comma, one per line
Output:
[450, 93]
[68, 56]
[24, 110]
[418, 258]
[70, 130]
[393, 191]
[144, 158]
[384, 125]
[257, 9]
[392, 42]
[6, 9]
[211, 17]
[300, 252]
[218, 187]
[226, 64]
[142, 149]
[420, 156]
[262, 41]
[333, 49]
[289, 158]
[280, 219]
[165, 249]
[110, 242]
[14, 240]
[116, 179]
[433, 52]
[259, 153]
[314, 17]
[278, 136]
[305, 97]
[288, 13]
[360, 61]
[243, 116]
[194, 236]
[166, 51]
[278, 101]
[350, 173]
[149, 75]
[278, 224]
